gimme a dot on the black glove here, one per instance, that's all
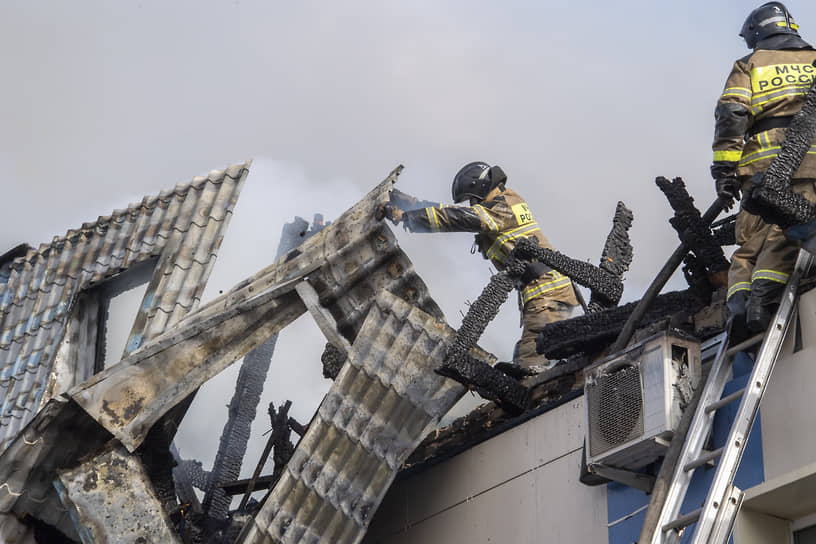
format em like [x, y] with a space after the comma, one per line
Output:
[725, 182]
[728, 189]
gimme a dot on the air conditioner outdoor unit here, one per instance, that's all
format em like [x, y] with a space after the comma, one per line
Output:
[635, 398]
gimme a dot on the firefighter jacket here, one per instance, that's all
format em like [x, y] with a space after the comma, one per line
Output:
[501, 219]
[764, 90]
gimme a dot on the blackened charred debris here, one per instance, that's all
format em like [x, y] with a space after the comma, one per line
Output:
[354, 269]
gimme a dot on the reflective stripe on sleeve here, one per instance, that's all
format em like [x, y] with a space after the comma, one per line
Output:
[737, 91]
[433, 219]
[729, 156]
[770, 275]
[737, 287]
[486, 218]
[532, 292]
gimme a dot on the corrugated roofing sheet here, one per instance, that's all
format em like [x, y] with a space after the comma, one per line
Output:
[348, 262]
[384, 401]
[183, 226]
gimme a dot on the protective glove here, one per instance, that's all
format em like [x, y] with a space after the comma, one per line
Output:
[391, 212]
[728, 189]
[725, 182]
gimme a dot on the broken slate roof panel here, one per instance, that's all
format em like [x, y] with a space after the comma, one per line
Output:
[383, 402]
[183, 226]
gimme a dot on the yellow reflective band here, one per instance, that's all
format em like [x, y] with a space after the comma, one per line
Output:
[532, 292]
[775, 94]
[776, 76]
[730, 156]
[486, 217]
[510, 235]
[767, 153]
[757, 105]
[433, 219]
[794, 26]
[737, 91]
[770, 275]
[740, 286]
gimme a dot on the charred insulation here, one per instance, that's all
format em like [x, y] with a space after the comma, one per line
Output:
[333, 360]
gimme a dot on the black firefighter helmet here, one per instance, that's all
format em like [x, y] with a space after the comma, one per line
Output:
[767, 20]
[476, 180]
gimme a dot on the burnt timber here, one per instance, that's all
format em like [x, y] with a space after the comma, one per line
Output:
[362, 291]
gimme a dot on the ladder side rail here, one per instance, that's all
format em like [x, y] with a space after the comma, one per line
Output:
[749, 406]
[695, 440]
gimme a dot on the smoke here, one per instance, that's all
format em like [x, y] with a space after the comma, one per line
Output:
[274, 193]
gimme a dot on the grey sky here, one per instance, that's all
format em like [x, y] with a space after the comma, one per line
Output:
[582, 103]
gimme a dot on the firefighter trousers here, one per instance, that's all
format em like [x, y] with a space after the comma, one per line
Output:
[537, 314]
[764, 259]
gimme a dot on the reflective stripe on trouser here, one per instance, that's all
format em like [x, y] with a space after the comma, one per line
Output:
[764, 254]
[537, 314]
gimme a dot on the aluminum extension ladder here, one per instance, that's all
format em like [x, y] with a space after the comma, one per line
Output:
[715, 520]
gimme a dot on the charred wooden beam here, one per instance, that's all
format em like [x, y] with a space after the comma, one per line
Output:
[724, 231]
[283, 449]
[488, 420]
[606, 288]
[458, 365]
[659, 281]
[239, 487]
[617, 253]
[693, 231]
[593, 332]
[281, 430]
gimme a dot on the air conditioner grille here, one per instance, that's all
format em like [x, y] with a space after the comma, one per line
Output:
[615, 403]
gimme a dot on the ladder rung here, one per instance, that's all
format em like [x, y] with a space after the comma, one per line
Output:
[703, 459]
[683, 521]
[745, 344]
[725, 400]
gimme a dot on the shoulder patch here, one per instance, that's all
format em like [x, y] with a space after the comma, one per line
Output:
[522, 213]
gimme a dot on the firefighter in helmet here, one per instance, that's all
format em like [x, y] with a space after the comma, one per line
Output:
[499, 216]
[762, 93]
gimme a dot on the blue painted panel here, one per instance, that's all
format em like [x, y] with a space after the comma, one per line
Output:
[622, 500]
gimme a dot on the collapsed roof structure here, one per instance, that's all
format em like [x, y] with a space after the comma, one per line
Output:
[86, 452]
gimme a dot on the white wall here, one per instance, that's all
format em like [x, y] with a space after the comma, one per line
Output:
[788, 411]
[518, 487]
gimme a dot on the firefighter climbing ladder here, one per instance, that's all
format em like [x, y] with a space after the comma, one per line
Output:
[715, 520]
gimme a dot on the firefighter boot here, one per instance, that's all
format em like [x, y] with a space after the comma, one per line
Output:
[762, 304]
[736, 317]
[758, 316]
